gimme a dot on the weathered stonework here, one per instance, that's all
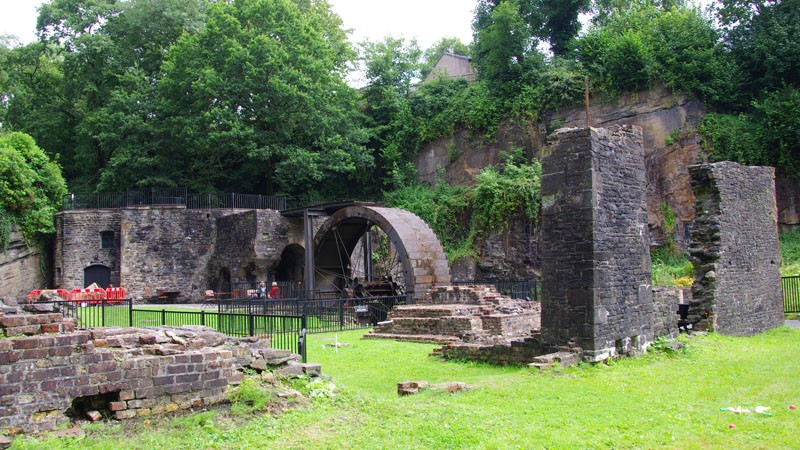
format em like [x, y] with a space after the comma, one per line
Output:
[78, 245]
[734, 249]
[169, 248]
[476, 314]
[665, 308]
[20, 268]
[596, 289]
[50, 370]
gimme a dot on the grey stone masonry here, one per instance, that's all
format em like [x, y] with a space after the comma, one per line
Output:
[20, 268]
[734, 249]
[78, 245]
[596, 291]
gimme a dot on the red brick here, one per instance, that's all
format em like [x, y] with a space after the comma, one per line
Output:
[26, 343]
[24, 329]
[9, 357]
[35, 353]
[126, 395]
[117, 406]
[13, 321]
[100, 343]
[51, 327]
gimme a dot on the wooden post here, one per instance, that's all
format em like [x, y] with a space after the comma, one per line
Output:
[586, 83]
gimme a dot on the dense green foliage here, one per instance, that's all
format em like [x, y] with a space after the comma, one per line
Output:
[249, 95]
[458, 214]
[671, 268]
[790, 253]
[31, 187]
[628, 403]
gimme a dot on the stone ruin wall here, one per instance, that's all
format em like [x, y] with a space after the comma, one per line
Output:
[50, 369]
[168, 248]
[596, 289]
[21, 268]
[78, 246]
[266, 234]
[734, 249]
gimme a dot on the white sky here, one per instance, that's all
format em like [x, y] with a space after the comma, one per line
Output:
[426, 20]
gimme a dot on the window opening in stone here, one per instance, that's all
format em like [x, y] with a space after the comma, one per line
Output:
[107, 239]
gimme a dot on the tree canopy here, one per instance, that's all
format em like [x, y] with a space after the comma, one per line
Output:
[31, 188]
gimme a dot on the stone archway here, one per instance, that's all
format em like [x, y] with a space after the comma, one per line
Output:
[418, 249]
[290, 267]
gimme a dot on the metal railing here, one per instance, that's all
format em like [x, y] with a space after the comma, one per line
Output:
[286, 332]
[170, 196]
[322, 315]
[791, 294]
[517, 289]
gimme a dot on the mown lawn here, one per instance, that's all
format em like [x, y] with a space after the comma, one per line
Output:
[653, 401]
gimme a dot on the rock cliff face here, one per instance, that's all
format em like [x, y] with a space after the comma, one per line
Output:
[20, 268]
[668, 121]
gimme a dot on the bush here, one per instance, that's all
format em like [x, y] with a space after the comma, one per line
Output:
[790, 253]
[31, 187]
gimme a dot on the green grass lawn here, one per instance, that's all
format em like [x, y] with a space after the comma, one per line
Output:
[652, 401]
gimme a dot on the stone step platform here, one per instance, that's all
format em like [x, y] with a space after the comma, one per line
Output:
[447, 325]
[561, 358]
[435, 311]
[421, 338]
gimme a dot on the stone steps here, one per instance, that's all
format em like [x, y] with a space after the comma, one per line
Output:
[447, 325]
[422, 338]
[434, 311]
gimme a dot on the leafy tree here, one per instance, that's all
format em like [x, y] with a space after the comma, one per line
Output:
[391, 66]
[764, 38]
[256, 101]
[31, 187]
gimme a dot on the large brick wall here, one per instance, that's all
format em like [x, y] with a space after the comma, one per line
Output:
[49, 370]
[595, 255]
[734, 249]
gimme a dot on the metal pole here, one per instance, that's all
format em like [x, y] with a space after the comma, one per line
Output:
[308, 241]
[367, 256]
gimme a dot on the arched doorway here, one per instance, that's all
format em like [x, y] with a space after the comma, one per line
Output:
[291, 265]
[97, 273]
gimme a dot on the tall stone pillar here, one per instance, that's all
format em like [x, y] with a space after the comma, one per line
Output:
[734, 249]
[596, 288]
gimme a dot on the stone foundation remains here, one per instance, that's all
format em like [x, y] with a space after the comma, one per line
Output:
[596, 291]
[474, 314]
[734, 249]
[51, 373]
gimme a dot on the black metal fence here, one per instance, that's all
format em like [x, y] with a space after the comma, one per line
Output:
[285, 331]
[170, 196]
[517, 289]
[791, 294]
[322, 315]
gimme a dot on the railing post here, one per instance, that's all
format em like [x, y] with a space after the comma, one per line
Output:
[163, 317]
[252, 325]
[202, 317]
[103, 311]
[301, 344]
[341, 314]
[130, 312]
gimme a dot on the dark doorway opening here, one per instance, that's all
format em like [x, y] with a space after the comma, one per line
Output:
[292, 264]
[97, 274]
